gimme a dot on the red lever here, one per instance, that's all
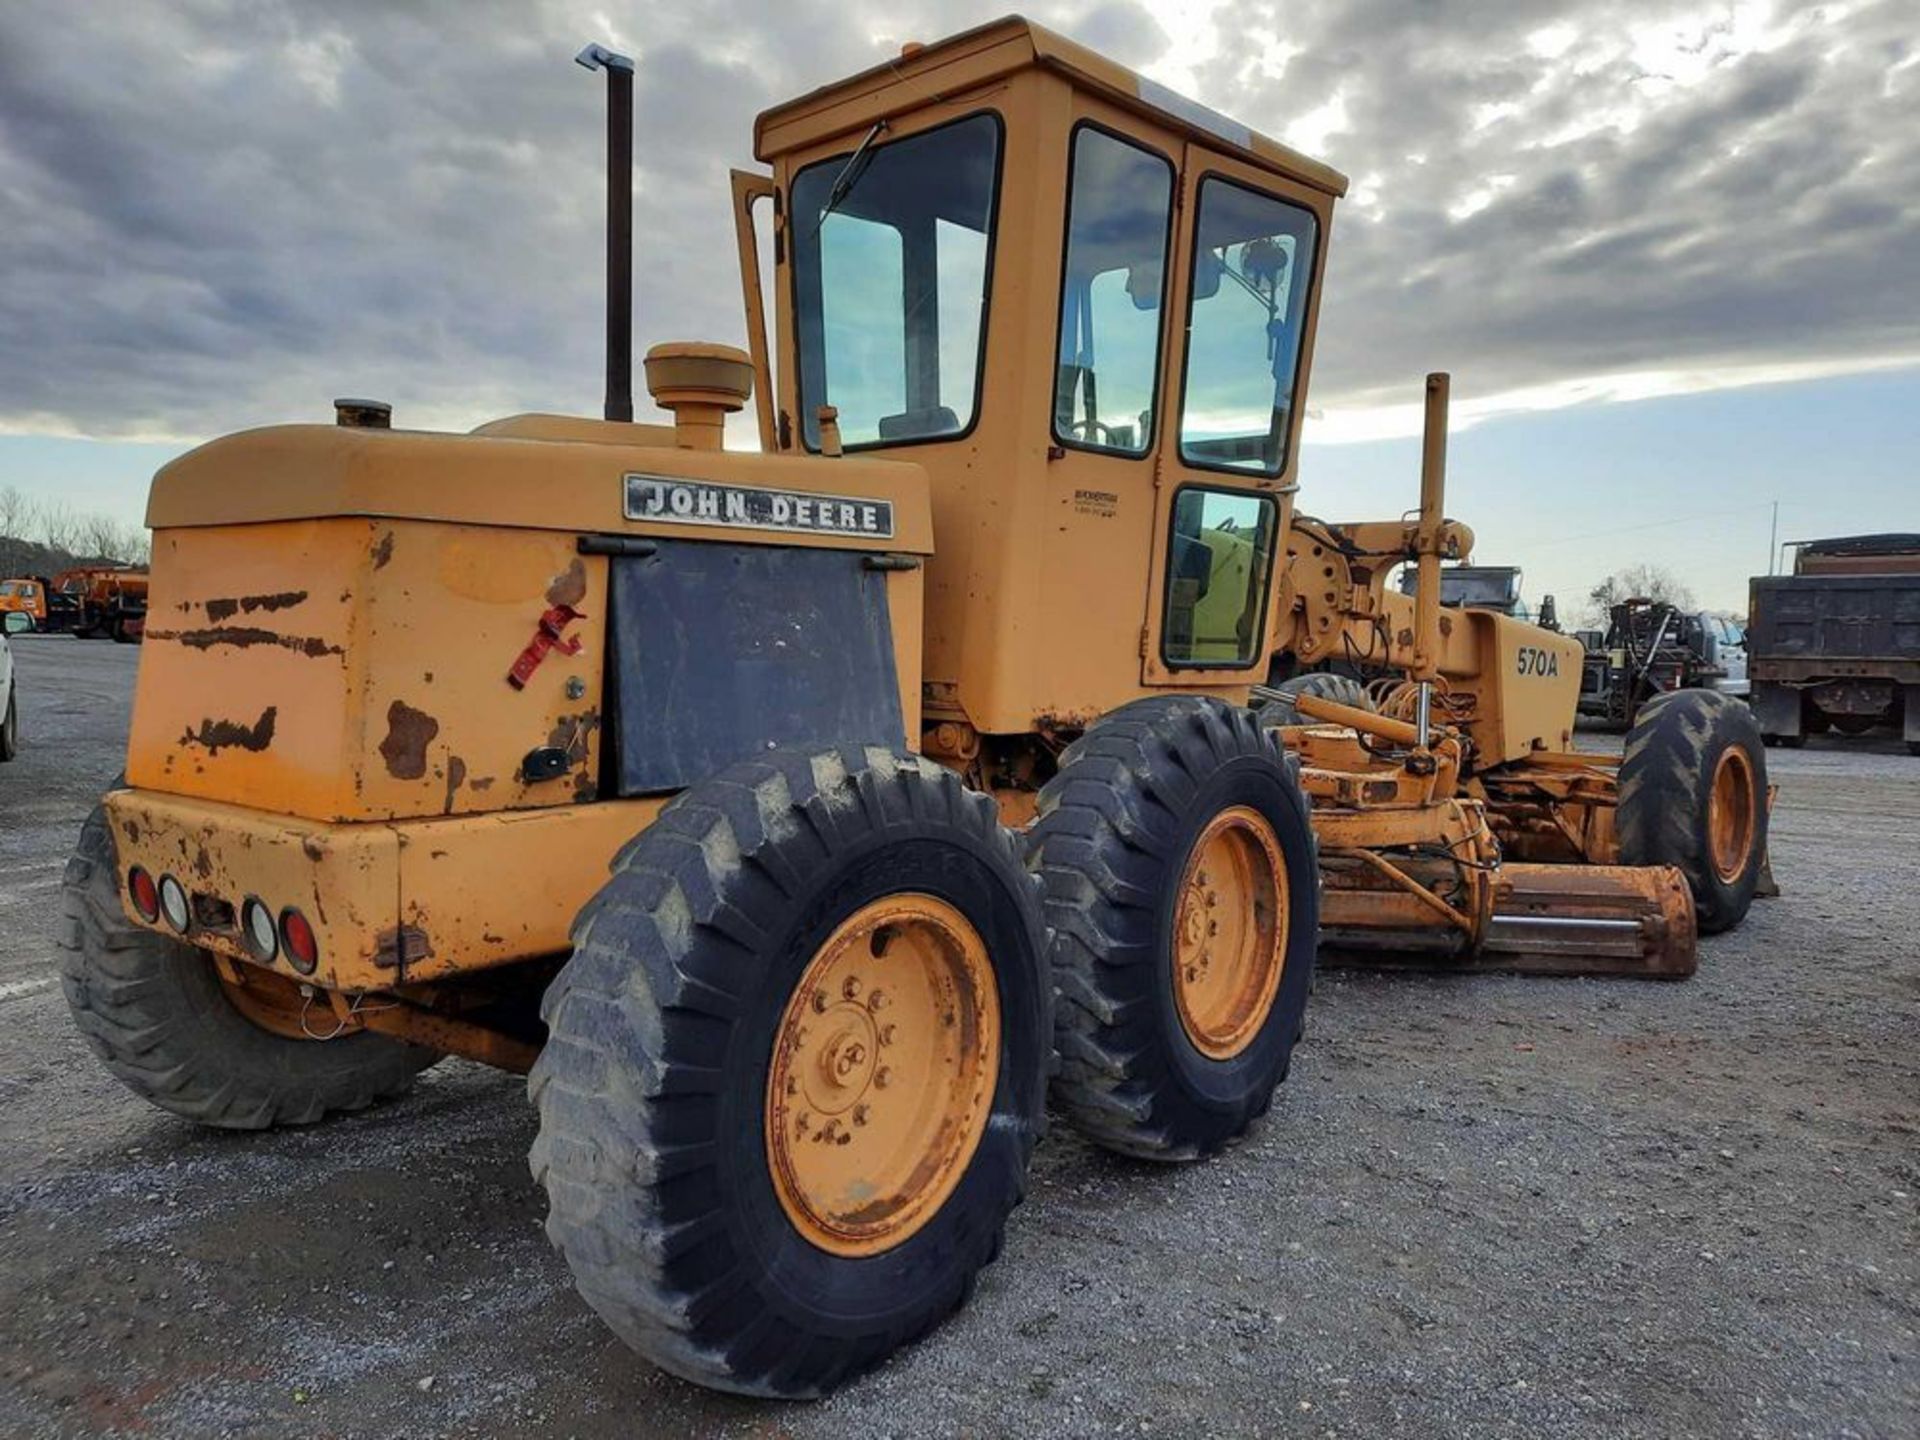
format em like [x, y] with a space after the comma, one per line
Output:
[551, 635]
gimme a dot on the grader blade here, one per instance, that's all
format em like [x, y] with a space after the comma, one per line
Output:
[1634, 921]
[1592, 920]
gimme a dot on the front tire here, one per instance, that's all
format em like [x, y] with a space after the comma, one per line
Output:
[10, 726]
[716, 1044]
[157, 1014]
[1693, 794]
[1183, 892]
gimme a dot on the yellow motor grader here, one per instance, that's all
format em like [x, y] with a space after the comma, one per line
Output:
[785, 813]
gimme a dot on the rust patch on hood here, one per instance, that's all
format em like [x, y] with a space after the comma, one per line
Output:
[383, 552]
[243, 638]
[569, 587]
[217, 735]
[409, 731]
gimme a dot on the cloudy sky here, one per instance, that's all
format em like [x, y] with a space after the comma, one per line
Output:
[1670, 252]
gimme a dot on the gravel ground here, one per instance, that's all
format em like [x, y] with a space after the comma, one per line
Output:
[1482, 1206]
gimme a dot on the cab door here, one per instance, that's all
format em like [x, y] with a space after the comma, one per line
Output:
[1245, 301]
[1108, 338]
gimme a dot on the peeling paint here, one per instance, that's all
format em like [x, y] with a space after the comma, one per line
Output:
[244, 637]
[218, 610]
[572, 733]
[569, 587]
[217, 735]
[400, 947]
[456, 777]
[409, 731]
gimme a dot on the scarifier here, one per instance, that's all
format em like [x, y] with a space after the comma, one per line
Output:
[784, 812]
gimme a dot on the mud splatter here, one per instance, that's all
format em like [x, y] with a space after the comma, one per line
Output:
[218, 735]
[409, 731]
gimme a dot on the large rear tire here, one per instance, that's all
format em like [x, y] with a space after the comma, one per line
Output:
[764, 1175]
[1183, 892]
[1693, 794]
[168, 1028]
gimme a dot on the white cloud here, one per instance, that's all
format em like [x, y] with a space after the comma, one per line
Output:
[223, 213]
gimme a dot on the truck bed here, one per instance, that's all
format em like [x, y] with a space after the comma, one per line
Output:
[1798, 625]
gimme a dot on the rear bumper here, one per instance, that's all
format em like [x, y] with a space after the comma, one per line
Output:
[390, 902]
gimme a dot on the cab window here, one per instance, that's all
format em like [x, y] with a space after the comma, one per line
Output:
[891, 267]
[1218, 560]
[1252, 264]
[1119, 203]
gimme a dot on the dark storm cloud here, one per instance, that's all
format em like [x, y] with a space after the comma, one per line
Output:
[216, 214]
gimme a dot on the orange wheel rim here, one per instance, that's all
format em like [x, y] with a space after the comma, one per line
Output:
[883, 1074]
[1230, 932]
[1731, 810]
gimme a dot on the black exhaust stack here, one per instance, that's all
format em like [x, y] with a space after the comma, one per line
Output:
[619, 70]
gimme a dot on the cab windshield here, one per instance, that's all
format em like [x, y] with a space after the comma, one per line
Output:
[891, 266]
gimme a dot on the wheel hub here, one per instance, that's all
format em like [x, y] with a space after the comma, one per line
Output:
[871, 1123]
[1230, 932]
[1732, 804]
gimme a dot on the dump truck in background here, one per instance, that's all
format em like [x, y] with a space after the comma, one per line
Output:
[1836, 644]
[87, 601]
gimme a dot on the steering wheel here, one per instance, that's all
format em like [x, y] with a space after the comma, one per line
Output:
[1096, 432]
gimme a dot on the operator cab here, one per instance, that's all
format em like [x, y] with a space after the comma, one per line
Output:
[1085, 306]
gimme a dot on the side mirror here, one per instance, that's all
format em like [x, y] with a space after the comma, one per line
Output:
[18, 622]
[1206, 275]
[1143, 284]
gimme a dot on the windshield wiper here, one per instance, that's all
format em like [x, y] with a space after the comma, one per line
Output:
[848, 177]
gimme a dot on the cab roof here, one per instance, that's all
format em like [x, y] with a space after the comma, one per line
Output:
[975, 57]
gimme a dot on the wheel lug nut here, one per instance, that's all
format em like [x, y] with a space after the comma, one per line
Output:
[886, 1034]
[820, 1002]
[877, 1000]
[882, 1078]
[852, 988]
[860, 1114]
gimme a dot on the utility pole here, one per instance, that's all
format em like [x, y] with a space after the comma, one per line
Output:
[1773, 540]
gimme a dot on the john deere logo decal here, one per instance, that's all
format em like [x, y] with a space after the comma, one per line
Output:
[742, 507]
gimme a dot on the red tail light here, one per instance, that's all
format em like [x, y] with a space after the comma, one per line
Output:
[296, 935]
[144, 894]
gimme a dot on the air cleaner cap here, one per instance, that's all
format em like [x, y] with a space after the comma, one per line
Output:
[363, 414]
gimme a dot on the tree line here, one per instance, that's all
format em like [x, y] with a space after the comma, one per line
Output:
[42, 537]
